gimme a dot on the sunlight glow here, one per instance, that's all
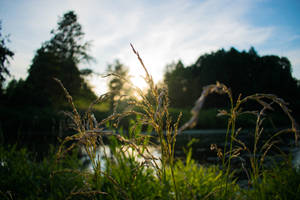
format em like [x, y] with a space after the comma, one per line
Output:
[138, 81]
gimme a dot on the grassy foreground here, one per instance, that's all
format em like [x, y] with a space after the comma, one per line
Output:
[62, 175]
[22, 177]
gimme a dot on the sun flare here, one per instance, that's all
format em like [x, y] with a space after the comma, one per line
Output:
[138, 81]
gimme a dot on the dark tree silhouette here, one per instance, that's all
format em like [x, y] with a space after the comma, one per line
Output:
[5, 55]
[244, 72]
[59, 57]
[177, 79]
[116, 84]
[32, 106]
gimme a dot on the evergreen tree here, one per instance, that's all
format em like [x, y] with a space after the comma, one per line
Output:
[58, 58]
[116, 84]
[5, 55]
[244, 72]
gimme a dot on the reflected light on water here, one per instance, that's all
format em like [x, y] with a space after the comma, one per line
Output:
[104, 151]
[296, 157]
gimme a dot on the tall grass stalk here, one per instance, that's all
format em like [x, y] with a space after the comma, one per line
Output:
[89, 136]
[153, 111]
[157, 115]
[236, 109]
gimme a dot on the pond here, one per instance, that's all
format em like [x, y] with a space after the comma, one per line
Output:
[105, 151]
[201, 148]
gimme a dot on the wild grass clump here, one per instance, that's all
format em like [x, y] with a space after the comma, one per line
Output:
[258, 151]
[153, 112]
[281, 182]
[163, 177]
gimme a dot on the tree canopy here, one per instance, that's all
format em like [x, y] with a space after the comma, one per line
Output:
[5, 55]
[244, 72]
[67, 41]
[59, 58]
[116, 85]
[33, 104]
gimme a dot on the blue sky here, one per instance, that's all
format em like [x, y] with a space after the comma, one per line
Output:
[162, 31]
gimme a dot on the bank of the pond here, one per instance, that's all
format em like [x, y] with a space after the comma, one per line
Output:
[201, 151]
[23, 177]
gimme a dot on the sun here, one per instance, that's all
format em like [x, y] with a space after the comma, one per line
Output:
[138, 81]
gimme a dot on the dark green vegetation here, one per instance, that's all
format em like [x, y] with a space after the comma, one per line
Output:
[31, 116]
[246, 73]
[5, 54]
[32, 106]
[23, 177]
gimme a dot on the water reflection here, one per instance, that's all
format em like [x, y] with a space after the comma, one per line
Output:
[104, 152]
[201, 150]
[296, 157]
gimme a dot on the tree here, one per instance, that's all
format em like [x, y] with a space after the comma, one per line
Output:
[15, 92]
[244, 72]
[5, 55]
[116, 85]
[176, 79]
[67, 41]
[59, 57]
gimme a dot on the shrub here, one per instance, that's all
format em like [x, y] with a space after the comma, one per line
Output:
[22, 177]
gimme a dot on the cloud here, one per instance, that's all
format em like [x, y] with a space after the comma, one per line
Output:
[171, 31]
[163, 31]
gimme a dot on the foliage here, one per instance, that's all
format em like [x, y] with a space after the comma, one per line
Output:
[281, 182]
[133, 180]
[31, 120]
[5, 55]
[33, 105]
[257, 151]
[245, 72]
[90, 133]
[201, 182]
[172, 175]
[118, 76]
[120, 175]
[206, 120]
[59, 58]
[23, 177]
[67, 41]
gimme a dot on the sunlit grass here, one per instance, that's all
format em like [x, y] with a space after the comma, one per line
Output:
[174, 176]
[83, 104]
[165, 177]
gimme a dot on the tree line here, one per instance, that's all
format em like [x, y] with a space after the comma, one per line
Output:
[244, 72]
[57, 58]
[35, 104]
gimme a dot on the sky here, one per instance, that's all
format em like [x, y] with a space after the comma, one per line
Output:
[162, 31]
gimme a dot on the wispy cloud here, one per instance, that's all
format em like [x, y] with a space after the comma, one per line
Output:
[171, 30]
[163, 31]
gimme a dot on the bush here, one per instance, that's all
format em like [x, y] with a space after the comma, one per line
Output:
[282, 182]
[22, 177]
[198, 182]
